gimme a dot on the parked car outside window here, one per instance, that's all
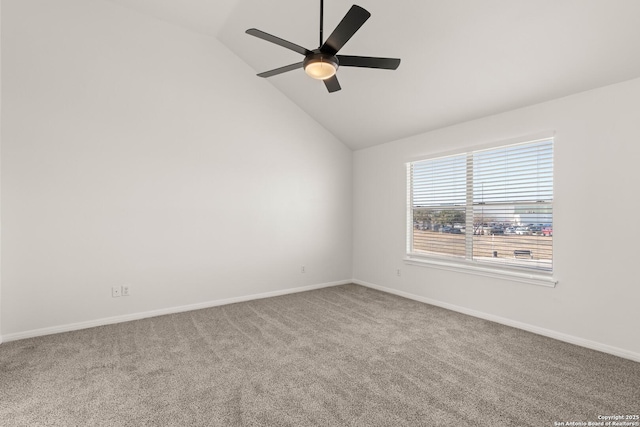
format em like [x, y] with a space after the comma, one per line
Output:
[523, 231]
[536, 230]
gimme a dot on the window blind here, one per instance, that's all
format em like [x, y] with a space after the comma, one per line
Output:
[490, 206]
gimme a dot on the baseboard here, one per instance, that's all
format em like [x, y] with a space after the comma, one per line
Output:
[161, 312]
[593, 345]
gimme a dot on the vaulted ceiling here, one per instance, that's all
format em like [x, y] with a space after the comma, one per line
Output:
[461, 59]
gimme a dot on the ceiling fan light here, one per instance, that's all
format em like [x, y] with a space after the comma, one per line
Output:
[320, 70]
[320, 66]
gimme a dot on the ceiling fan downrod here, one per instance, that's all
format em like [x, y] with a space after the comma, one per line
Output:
[321, 20]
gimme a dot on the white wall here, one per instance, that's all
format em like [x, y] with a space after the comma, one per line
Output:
[135, 152]
[597, 153]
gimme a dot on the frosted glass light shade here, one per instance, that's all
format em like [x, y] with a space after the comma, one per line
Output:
[320, 70]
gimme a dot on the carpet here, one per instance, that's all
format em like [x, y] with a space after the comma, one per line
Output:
[339, 356]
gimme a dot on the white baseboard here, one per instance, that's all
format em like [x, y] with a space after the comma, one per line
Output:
[171, 310]
[161, 312]
[593, 345]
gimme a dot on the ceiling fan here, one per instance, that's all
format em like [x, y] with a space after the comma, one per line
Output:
[323, 62]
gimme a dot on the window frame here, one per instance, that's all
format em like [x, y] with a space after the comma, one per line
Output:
[465, 264]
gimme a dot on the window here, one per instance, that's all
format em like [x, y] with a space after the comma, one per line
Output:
[489, 208]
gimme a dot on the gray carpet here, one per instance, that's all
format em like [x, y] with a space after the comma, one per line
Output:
[346, 355]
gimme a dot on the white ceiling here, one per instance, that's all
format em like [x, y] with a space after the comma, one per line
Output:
[461, 59]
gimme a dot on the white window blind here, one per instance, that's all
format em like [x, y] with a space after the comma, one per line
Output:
[490, 206]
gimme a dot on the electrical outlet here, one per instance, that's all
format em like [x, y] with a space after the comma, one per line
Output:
[302, 269]
[398, 272]
[115, 291]
[125, 290]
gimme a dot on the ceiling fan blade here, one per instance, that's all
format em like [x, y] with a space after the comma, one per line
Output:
[352, 21]
[277, 40]
[368, 62]
[281, 70]
[332, 84]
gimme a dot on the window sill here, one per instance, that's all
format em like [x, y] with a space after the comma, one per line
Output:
[539, 279]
